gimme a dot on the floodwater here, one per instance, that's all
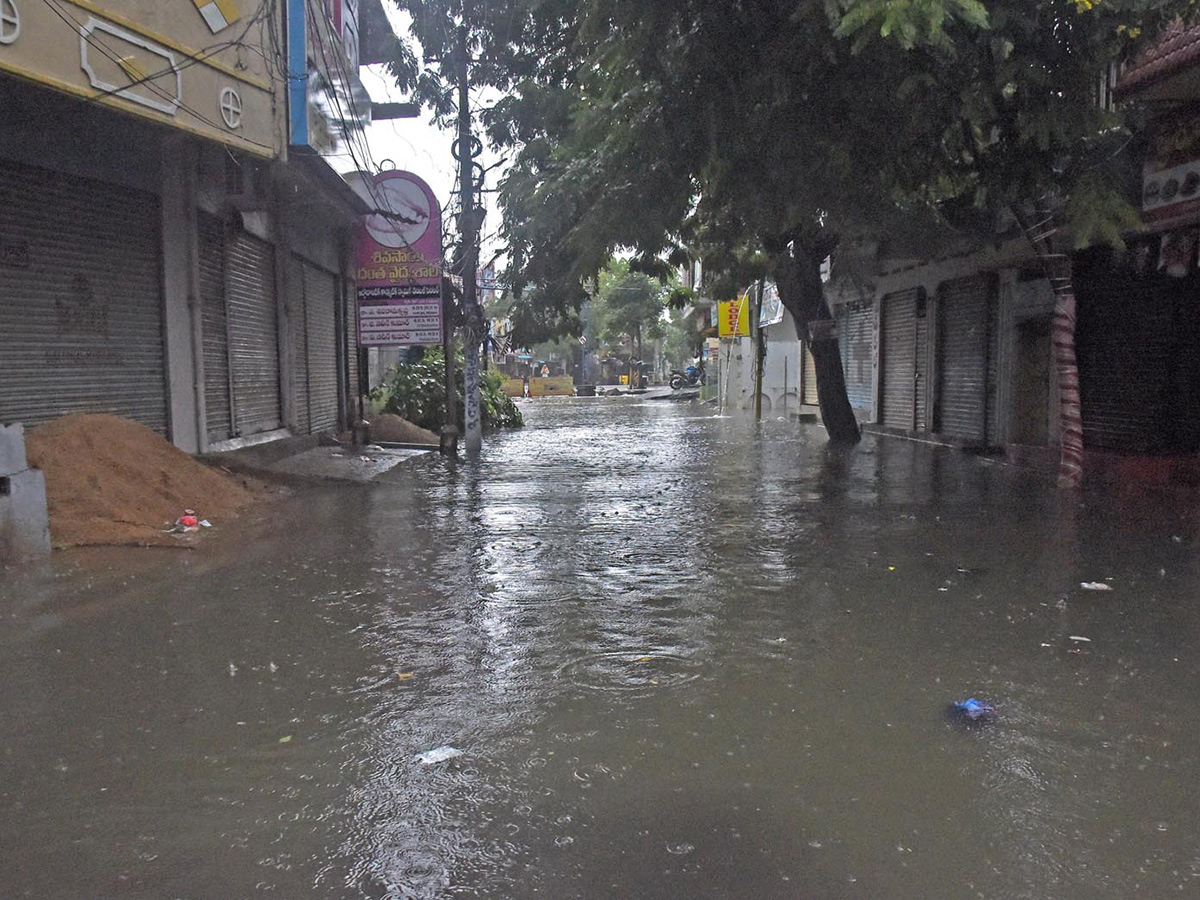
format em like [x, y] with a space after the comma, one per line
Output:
[681, 657]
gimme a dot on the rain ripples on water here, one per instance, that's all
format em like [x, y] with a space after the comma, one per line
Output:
[670, 654]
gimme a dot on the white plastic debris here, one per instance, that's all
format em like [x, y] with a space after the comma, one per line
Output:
[437, 755]
[1080, 637]
[1095, 586]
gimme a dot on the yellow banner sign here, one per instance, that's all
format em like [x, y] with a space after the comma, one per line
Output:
[733, 317]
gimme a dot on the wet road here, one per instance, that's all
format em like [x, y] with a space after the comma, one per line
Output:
[682, 659]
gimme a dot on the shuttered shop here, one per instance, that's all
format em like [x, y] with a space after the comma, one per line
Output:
[903, 352]
[253, 334]
[315, 346]
[217, 404]
[351, 336]
[855, 326]
[1134, 339]
[966, 359]
[320, 303]
[80, 299]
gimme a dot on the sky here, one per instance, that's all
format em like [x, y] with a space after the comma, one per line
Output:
[417, 145]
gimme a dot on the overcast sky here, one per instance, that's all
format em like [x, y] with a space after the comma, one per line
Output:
[417, 145]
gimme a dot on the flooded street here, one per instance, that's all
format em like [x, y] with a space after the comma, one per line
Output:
[681, 657]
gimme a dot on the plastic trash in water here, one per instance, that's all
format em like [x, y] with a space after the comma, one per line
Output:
[1095, 586]
[971, 711]
[437, 755]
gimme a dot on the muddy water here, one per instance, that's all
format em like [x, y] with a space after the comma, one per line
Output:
[682, 658]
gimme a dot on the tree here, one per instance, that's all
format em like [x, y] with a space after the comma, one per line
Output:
[1015, 87]
[760, 134]
[655, 154]
[466, 45]
[628, 305]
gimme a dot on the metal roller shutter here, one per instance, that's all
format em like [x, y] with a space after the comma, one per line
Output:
[966, 355]
[856, 323]
[211, 234]
[298, 330]
[1127, 346]
[320, 304]
[80, 299]
[810, 396]
[253, 334]
[902, 336]
[351, 335]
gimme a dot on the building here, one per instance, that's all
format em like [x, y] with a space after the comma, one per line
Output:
[173, 246]
[957, 347]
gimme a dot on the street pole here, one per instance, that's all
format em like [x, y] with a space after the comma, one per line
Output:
[448, 445]
[468, 226]
[758, 354]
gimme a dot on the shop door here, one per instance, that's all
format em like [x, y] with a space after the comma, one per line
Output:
[966, 338]
[81, 311]
[1031, 383]
[903, 359]
[855, 326]
[253, 334]
[215, 325]
[321, 317]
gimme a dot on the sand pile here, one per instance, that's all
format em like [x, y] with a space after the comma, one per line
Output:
[113, 481]
[393, 429]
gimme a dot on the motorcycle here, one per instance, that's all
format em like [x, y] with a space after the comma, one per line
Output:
[692, 376]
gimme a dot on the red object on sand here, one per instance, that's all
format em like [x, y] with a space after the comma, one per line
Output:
[188, 521]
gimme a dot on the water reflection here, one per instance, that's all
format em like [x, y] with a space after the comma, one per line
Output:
[682, 655]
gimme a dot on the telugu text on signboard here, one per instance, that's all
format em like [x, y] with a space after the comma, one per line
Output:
[399, 258]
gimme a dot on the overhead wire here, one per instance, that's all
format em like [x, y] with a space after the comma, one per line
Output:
[78, 27]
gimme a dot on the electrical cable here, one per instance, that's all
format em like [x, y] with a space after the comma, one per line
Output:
[77, 27]
[203, 55]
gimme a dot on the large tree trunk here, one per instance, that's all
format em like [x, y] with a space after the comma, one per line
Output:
[1040, 229]
[798, 278]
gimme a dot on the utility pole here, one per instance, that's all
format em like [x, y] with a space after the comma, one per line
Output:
[466, 149]
[448, 445]
[759, 354]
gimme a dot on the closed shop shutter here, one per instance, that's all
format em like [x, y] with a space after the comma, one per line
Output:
[855, 328]
[1128, 343]
[81, 326]
[253, 334]
[298, 330]
[903, 359]
[215, 327]
[810, 397]
[321, 317]
[966, 354]
[351, 335]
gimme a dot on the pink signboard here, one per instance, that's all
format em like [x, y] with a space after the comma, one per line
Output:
[399, 261]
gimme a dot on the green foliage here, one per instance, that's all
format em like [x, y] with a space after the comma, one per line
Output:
[628, 305]
[416, 391]
[736, 128]
[496, 407]
[680, 340]
[1097, 213]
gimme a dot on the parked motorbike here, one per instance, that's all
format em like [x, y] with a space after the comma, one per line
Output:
[689, 377]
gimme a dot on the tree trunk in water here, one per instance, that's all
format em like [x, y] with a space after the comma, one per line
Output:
[800, 289]
[1040, 229]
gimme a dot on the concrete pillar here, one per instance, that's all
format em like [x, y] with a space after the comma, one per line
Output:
[181, 295]
[280, 210]
[24, 521]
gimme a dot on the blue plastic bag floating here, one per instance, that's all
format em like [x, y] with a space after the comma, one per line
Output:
[971, 711]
